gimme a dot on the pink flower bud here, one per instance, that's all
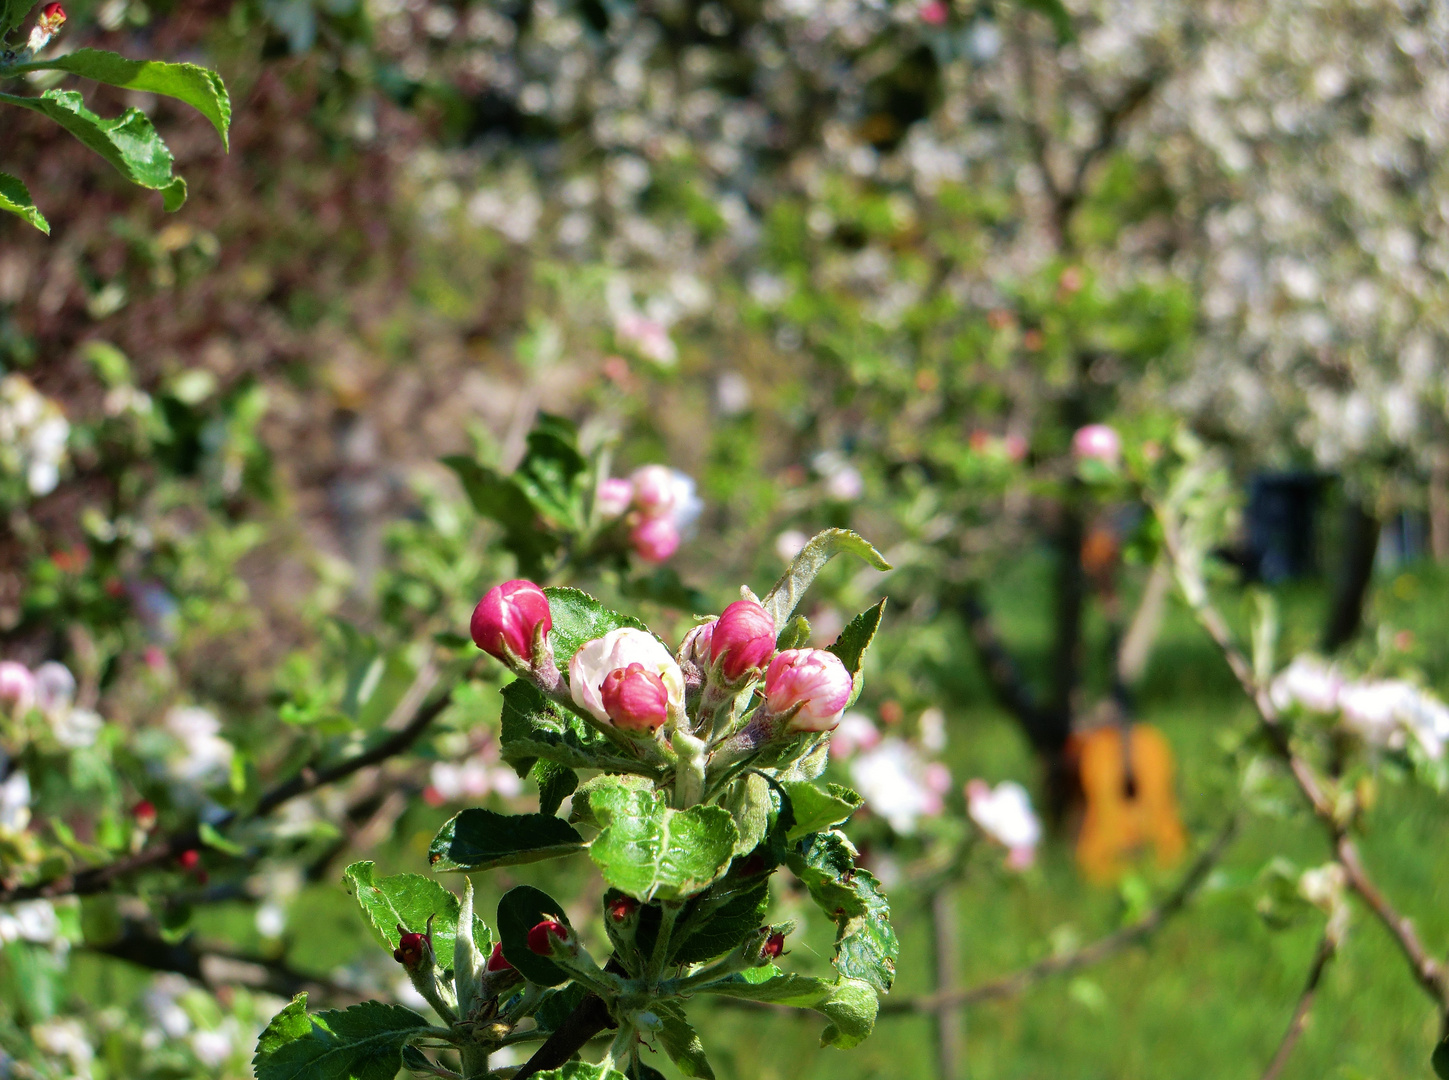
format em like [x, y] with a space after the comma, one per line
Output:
[17, 686]
[540, 937]
[1097, 442]
[507, 617]
[696, 644]
[813, 679]
[744, 636]
[613, 497]
[654, 489]
[655, 539]
[934, 13]
[499, 962]
[635, 698]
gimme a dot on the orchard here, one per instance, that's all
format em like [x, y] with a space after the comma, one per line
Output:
[706, 538]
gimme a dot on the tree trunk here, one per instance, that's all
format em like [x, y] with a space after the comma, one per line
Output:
[950, 1031]
[1355, 572]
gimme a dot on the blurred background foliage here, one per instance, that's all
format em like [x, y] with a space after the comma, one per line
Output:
[846, 263]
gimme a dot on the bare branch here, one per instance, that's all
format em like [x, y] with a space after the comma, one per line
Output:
[1321, 956]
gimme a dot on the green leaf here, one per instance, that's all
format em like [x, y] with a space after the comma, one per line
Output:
[364, 1042]
[15, 197]
[534, 727]
[129, 143]
[850, 646]
[521, 909]
[650, 851]
[849, 1004]
[197, 86]
[555, 1006]
[748, 801]
[552, 474]
[785, 597]
[580, 1070]
[816, 810]
[579, 618]
[1440, 1060]
[723, 929]
[555, 784]
[795, 635]
[213, 839]
[865, 943]
[478, 839]
[500, 499]
[12, 14]
[681, 1042]
[410, 899]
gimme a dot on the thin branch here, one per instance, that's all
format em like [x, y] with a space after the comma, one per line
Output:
[1324, 953]
[99, 879]
[1097, 951]
[1008, 685]
[1428, 971]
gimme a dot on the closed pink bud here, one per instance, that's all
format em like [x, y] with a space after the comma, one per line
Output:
[655, 539]
[542, 936]
[1097, 442]
[813, 679]
[507, 618]
[635, 698]
[744, 636]
[613, 497]
[934, 13]
[654, 489]
[17, 686]
[696, 644]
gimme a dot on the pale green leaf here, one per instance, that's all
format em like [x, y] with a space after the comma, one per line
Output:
[785, 597]
[129, 143]
[580, 1070]
[579, 618]
[816, 810]
[15, 198]
[649, 850]
[199, 87]
[849, 1005]
[681, 1042]
[410, 899]
[852, 643]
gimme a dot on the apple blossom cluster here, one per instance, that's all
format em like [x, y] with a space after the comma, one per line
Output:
[1382, 712]
[894, 776]
[49, 692]
[627, 680]
[657, 504]
[33, 435]
[1004, 813]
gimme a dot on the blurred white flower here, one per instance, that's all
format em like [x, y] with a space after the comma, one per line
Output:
[66, 1038]
[933, 730]
[77, 728]
[33, 435]
[212, 1048]
[790, 543]
[204, 756]
[648, 337]
[473, 778]
[54, 688]
[163, 1007]
[896, 784]
[732, 393]
[1004, 814]
[854, 733]
[17, 687]
[15, 801]
[34, 920]
[1307, 681]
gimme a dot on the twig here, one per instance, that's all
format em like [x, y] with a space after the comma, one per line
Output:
[1326, 948]
[1008, 684]
[1428, 971]
[950, 1038]
[1099, 950]
[99, 879]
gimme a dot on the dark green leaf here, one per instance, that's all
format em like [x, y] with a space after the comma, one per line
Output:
[12, 14]
[480, 839]
[1440, 1060]
[1057, 13]
[500, 499]
[850, 646]
[533, 727]
[649, 850]
[520, 910]
[579, 618]
[795, 635]
[410, 899]
[865, 943]
[782, 600]
[717, 933]
[15, 198]
[552, 476]
[364, 1042]
[681, 1041]
[580, 1070]
[557, 1005]
[555, 784]
[198, 87]
[129, 143]
[816, 810]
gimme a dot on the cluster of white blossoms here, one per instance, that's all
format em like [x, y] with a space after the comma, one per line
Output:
[49, 690]
[658, 505]
[33, 435]
[1383, 712]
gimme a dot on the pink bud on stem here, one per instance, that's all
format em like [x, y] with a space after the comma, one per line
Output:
[811, 681]
[743, 639]
[635, 698]
[506, 619]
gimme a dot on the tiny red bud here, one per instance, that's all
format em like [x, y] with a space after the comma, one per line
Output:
[410, 948]
[499, 962]
[145, 814]
[743, 637]
[538, 937]
[622, 908]
[635, 698]
[773, 947]
[189, 859]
